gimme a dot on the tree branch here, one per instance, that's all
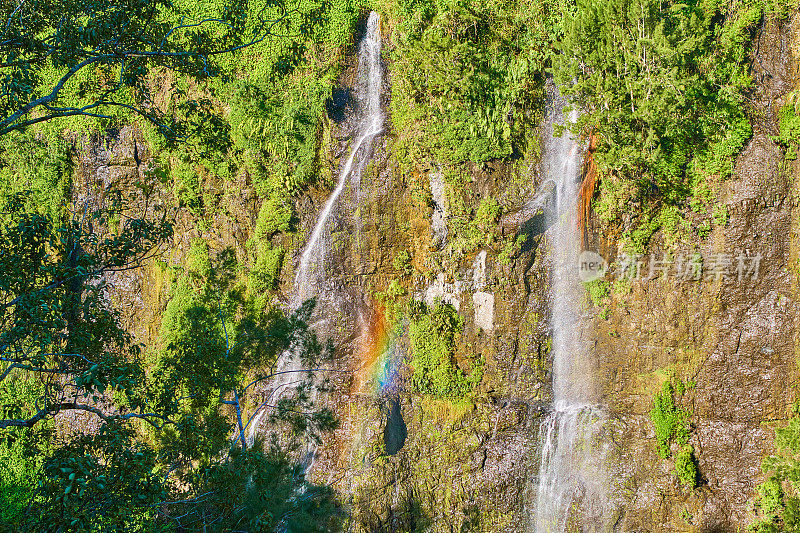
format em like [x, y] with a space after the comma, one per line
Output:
[73, 406]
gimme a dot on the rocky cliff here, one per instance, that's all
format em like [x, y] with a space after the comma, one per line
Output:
[406, 462]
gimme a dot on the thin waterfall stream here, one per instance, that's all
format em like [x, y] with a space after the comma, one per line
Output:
[311, 273]
[571, 479]
[311, 267]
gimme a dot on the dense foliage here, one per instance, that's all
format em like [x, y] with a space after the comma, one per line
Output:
[91, 59]
[165, 418]
[468, 76]
[164, 442]
[664, 86]
[433, 343]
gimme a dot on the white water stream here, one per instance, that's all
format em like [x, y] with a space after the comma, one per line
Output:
[370, 79]
[571, 480]
[310, 277]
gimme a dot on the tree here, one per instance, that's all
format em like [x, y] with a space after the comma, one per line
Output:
[162, 457]
[90, 58]
[54, 323]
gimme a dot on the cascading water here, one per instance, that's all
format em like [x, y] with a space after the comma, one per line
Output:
[308, 282]
[570, 485]
[370, 124]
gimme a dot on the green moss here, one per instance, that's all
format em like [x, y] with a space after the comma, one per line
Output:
[402, 262]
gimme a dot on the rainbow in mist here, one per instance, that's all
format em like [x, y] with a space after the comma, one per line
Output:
[377, 362]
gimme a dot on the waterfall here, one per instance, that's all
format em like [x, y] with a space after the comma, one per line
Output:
[308, 282]
[570, 485]
[370, 78]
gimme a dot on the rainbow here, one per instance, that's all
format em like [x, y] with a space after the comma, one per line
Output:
[376, 366]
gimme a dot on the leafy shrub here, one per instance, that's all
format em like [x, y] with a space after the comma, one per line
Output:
[471, 230]
[488, 214]
[22, 450]
[462, 89]
[598, 289]
[671, 424]
[771, 498]
[777, 502]
[274, 215]
[789, 130]
[669, 420]
[433, 336]
[393, 300]
[265, 273]
[511, 248]
[39, 167]
[686, 467]
[188, 188]
[402, 262]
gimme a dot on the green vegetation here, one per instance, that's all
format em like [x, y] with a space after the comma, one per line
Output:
[778, 498]
[467, 77]
[598, 290]
[22, 452]
[669, 420]
[473, 229]
[686, 467]
[789, 127]
[510, 249]
[663, 85]
[94, 60]
[38, 168]
[166, 449]
[467, 88]
[165, 419]
[433, 343]
[402, 262]
[672, 428]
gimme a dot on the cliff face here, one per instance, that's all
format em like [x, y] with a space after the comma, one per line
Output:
[401, 460]
[405, 462]
[736, 339]
[733, 339]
